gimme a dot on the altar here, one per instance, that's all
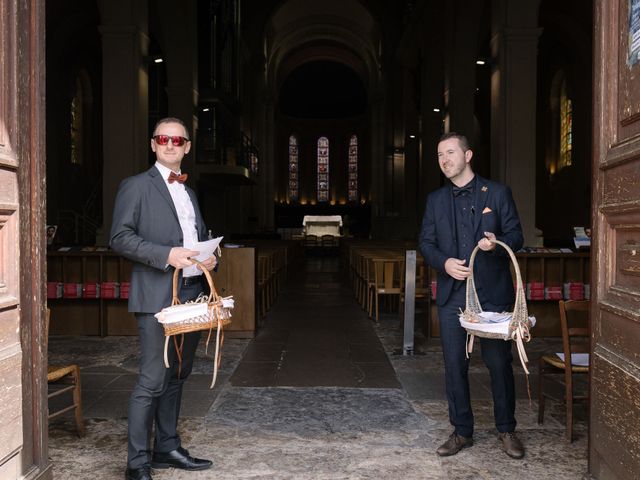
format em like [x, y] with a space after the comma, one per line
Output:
[320, 225]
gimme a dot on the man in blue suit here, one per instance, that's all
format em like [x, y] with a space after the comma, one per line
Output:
[466, 212]
[156, 224]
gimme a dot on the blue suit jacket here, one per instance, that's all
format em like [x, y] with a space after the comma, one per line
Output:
[145, 228]
[438, 240]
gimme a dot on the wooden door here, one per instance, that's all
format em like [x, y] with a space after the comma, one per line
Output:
[614, 448]
[23, 429]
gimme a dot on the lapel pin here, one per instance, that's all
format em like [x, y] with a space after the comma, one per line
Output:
[484, 188]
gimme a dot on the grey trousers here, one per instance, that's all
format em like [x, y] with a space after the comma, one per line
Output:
[158, 392]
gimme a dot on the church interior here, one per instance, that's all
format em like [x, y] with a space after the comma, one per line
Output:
[314, 129]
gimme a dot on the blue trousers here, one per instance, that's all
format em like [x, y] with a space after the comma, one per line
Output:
[497, 357]
[157, 396]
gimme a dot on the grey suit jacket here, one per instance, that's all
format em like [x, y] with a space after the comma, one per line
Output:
[145, 228]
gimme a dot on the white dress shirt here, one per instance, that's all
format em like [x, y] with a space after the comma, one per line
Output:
[186, 216]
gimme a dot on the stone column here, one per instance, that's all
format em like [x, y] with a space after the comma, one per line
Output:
[124, 98]
[179, 43]
[379, 153]
[267, 180]
[460, 66]
[432, 124]
[513, 105]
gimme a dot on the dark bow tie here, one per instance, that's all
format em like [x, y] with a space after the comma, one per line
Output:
[459, 190]
[174, 177]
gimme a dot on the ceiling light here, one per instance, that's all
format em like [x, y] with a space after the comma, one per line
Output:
[158, 60]
[436, 109]
[205, 109]
[412, 136]
[479, 62]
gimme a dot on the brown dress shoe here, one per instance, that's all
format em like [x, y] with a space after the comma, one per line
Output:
[511, 444]
[454, 445]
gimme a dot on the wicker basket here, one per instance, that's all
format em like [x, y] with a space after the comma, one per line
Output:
[516, 328]
[216, 316]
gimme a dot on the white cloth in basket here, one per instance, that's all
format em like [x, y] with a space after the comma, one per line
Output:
[492, 322]
[182, 312]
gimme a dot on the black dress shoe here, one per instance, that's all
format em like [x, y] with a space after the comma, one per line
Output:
[143, 473]
[179, 458]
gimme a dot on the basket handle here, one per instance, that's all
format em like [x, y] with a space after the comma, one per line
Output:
[213, 295]
[473, 304]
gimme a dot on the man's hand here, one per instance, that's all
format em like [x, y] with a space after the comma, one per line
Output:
[210, 263]
[180, 257]
[486, 243]
[455, 267]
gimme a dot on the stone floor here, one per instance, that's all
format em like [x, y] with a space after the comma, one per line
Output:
[276, 413]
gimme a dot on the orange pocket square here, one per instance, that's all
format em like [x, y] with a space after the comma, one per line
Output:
[486, 210]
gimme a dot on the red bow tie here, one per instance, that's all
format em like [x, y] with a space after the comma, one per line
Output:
[174, 177]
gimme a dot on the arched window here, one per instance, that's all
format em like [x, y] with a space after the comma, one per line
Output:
[254, 161]
[77, 123]
[80, 120]
[566, 127]
[353, 169]
[559, 128]
[294, 186]
[323, 169]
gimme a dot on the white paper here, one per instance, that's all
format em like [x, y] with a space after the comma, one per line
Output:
[500, 327]
[178, 313]
[494, 317]
[207, 248]
[577, 359]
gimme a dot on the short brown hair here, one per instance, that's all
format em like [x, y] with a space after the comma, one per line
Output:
[171, 120]
[464, 141]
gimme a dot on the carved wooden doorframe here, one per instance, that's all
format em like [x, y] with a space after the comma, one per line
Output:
[23, 355]
[614, 439]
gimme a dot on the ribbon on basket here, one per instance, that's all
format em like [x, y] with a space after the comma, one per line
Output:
[515, 326]
[207, 312]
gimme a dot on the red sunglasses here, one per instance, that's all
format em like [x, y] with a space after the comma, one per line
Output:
[176, 140]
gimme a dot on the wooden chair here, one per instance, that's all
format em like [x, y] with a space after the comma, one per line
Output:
[311, 243]
[574, 321]
[387, 281]
[264, 286]
[68, 377]
[329, 243]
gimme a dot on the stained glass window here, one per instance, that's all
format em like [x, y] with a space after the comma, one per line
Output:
[323, 169]
[353, 169]
[77, 121]
[566, 127]
[254, 161]
[294, 187]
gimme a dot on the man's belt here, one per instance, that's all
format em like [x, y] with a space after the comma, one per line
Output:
[190, 281]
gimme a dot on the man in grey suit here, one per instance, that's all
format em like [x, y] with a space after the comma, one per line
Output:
[156, 223]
